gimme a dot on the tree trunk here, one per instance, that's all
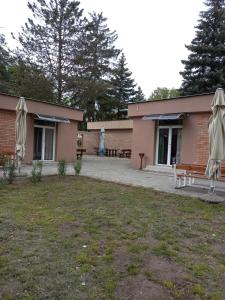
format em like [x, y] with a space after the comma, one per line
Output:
[59, 71]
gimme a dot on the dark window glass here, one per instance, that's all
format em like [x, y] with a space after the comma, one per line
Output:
[49, 141]
[163, 145]
[175, 146]
[44, 123]
[38, 133]
[170, 122]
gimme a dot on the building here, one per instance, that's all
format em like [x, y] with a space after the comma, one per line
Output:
[50, 129]
[171, 130]
[118, 135]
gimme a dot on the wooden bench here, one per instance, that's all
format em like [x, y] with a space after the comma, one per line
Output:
[125, 153]
[80, 153]
[111, 152]
[96, 149]
[190, 173]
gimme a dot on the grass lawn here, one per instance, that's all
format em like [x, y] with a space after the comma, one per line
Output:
[78, 238]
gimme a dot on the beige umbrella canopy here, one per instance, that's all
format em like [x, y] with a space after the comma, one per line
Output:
[216, 129]
[21, 130]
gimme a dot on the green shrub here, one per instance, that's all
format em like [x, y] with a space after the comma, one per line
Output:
[36, 172]
[77, 166]
[133, 269]
[61, 168]
[3, 159]
[9, 169]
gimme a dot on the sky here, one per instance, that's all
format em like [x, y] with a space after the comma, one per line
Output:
[151, 33]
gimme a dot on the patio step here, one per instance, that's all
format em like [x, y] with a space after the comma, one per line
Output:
[159, 169]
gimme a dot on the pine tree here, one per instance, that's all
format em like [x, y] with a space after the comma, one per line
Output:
[204, 70]
[97, 55]
[123, 86]
[139, 95]
[49, 39]
[22, 77]
[4, 64]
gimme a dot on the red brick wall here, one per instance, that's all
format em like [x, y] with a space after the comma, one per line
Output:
[7, 130]
[118, 139]
[90, 141]
[114, 139]
[196, 140]
[202, 148]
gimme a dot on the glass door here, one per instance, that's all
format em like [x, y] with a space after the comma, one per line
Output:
[175, 146]
[163, 142]
[44, 143]
[49, 144]
[38, 135]
[168, 145]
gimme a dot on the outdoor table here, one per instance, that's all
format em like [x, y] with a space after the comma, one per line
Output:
[80, 153]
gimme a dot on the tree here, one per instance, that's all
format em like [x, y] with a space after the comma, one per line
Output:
[204, 70]
[97, 55]
[49, 40]
[123, 86]
[4, 63]
[22, 77]
[164, 93]
[139, 95]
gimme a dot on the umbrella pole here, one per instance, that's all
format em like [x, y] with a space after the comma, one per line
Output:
[19, 167]
[212, 186]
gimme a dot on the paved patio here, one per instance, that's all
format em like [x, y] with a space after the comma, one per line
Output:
[119, 170]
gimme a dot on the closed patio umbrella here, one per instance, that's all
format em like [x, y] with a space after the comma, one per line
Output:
[21, 130]
[102, 142]
[216, 129]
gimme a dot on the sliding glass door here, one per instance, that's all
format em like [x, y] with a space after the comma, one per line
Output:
[44, 143]
[168, 145]
[163, 142]
[49, 144]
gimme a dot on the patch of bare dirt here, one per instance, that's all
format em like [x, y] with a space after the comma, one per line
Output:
[9, 289]
[218, 248]
[139, 288]
[69, 228]
[121, 260]
[164, 269]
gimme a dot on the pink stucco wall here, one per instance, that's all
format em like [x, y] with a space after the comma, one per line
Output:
[65, 144]
[65, 141]
[114, 139]
[143, 141]
[9, 103]
[65, 133]
[194, 143]
[191, 104]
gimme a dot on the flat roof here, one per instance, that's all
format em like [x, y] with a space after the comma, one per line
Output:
[115, 124]
[8, 102]
[43, 101]
[183, 104]
[172, 98]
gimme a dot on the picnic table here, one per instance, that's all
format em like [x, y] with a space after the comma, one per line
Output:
[190, 173]
[111, 152]
[126, 153]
